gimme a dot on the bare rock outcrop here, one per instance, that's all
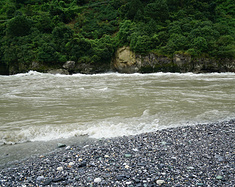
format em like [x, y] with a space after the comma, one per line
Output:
[126, 61]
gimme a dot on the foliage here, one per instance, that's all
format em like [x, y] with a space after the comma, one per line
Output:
[18, 26]
[89, 31]
[157, 10]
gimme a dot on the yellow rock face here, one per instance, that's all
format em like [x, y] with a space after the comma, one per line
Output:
[125, 61]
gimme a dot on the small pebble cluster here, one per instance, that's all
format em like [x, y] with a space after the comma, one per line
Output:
[200, 155]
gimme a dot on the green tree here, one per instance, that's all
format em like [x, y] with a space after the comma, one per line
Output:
[157, 10]
[200, 44]
[44, 23]
[78, 47]
[151, 27]
[47, 53]
[18, 26]
[180, 41]
[61, 36]
[174, 28]
[141, 44]
[103, 49]
[125, 32]
[10, 49]
[133, 7]
[10, 12]
[226, 47]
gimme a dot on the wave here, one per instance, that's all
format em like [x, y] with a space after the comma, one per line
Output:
[106, 128]
[30, 73]
[188, 74]
[170, 97]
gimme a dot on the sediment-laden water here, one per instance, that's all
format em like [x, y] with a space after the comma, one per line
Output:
[39, 110]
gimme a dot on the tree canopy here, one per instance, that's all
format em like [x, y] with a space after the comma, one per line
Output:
[90, 31]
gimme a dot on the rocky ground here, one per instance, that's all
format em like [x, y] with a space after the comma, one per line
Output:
[201, 155]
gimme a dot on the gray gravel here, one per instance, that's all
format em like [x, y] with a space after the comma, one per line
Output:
[200, 155]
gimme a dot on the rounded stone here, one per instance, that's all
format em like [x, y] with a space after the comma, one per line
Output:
[60, 168]
[97, 180]
[219, 177]
[160, 182]
[71, 163]
[39, 178]
[127, 155]
[200, 184]
[59, 145]
[190, 168]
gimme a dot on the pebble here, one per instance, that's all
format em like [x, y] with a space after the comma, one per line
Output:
[97, 180]
[219, 177]
[59, 168]
[200, 184]
[128, 182]
[60, 145]
[133, 161]
[71, 163]
[39, 178]
[160, 182]
[190, 168]
[127, 155]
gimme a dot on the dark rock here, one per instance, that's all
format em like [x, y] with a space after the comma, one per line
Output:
[82, 164]
[47, 182]
[58, 179]
[120, 177]
[58, 71]
[60, 145]
[69, 65]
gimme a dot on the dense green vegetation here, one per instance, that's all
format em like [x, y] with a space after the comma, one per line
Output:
[54, 31]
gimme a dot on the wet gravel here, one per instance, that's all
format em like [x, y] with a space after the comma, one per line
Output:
[200, 155]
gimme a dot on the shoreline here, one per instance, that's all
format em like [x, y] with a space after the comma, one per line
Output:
[199, 155]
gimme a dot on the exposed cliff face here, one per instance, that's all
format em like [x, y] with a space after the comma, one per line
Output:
[126, 61]
[67, 68]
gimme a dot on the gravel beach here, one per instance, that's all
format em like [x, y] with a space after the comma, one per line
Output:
[200, 155]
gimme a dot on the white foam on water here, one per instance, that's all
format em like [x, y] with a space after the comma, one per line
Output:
[30, 73]
[189, 74]
[116, 126]
[107, 128]
[55, 89]
[45, 133]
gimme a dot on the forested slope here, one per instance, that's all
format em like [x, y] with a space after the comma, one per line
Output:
[89, 31]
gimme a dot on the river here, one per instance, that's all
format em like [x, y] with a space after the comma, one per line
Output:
[39, 110]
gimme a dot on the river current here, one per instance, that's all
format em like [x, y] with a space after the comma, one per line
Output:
[39, 110]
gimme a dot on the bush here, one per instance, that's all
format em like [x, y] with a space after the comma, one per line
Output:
[47, 53]
[141, 44]
[157, 10]
[200, 44]
[18, 26]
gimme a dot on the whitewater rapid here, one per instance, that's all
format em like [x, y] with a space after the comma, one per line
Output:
[45, 107]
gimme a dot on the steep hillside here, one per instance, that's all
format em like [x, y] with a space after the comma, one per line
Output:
[52, 32]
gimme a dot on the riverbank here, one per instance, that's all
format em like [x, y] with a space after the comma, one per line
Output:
[200, 155]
